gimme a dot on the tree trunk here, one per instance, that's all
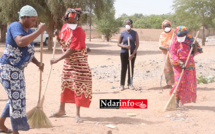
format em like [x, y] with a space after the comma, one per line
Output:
[3, 32]
[203, 36]
[90, 30]
[50, 32]
[90, 19]
[108, 38]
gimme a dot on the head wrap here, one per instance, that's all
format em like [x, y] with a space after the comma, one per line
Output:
[166, 21]
[27, 11]
[181, 30]
[129, 20]
[72, 13]
[189, 38]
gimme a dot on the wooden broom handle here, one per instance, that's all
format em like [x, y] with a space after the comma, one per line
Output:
[53, 53]
[129, 51]
[41, 62]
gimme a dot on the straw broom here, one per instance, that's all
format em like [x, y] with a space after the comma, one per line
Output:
[36, 117]
[167, 56]
[172, 101]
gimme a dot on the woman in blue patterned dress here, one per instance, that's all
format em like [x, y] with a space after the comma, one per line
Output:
[19, 51]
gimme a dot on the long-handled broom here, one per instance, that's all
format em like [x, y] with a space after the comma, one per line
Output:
[36, 117]
[166, 58]
[172, 101]
[131, 78]
[53, 53]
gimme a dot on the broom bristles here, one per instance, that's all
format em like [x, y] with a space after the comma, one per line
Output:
[40, 105]
[171, 104]
[38, 119]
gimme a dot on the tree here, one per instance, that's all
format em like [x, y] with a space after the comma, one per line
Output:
[49, 11]
[195, 14]
[107, 24]
[8, 12]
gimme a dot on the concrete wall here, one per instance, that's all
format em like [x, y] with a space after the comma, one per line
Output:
[144, 34]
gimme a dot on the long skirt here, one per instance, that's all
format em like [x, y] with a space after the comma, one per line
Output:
[13, 81]
[77, 80]
[168, 71]
[186, 91]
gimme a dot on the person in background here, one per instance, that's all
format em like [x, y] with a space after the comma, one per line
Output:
[178, 53]
[164, 43]
[125, 59]
[19, 51]
[76, 79]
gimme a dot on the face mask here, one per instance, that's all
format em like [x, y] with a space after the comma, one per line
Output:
[167, 29]
[72, 26]
[181, 39]
[128, 27]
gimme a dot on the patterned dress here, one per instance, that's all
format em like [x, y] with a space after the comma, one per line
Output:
[12, 64]
[178, 54]
[76, 77]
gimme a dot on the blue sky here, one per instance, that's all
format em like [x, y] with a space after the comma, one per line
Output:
[145, 7]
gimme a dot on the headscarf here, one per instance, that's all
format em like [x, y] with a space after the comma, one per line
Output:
[166, 21]
[73, 13]
[27, 11]
[189, 38]
[181, 30]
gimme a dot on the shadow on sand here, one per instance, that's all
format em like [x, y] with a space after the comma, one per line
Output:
[206, 108]
[3, 99]
[205, 88]
[156, 88]
[117, 52]
[118, 120]
[198, 88]
[114, 92]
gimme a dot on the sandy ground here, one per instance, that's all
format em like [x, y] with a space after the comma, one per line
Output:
[104, 61]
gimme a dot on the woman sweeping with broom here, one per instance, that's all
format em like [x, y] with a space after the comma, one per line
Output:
[76, 77]
[19, 51]
[164, 44]
[178, 53]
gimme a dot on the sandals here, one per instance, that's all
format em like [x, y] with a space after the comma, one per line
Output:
[56, 115]
[122, 88]
[9, 131]
[79, 120]
[131, 87]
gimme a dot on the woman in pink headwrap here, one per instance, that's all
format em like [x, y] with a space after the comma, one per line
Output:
[178, 53]
[76, 76]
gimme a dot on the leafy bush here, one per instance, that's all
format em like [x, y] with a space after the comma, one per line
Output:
[205, 80]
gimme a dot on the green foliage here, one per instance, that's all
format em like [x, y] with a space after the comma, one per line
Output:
[191, 13]
[195, 14]
[141, 21]
[49, 11]
[9, 9]
[204, 79]
[107, 24]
